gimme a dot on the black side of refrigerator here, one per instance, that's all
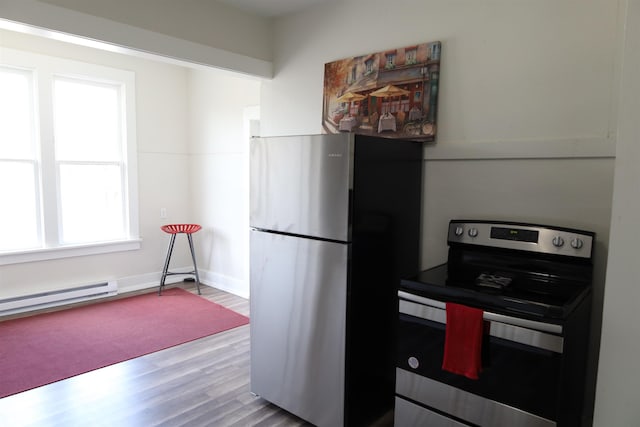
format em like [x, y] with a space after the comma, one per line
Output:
[386, 222]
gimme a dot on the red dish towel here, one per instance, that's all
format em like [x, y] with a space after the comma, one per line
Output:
[463, 341]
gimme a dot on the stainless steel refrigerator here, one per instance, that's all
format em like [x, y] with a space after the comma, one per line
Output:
[335, 224]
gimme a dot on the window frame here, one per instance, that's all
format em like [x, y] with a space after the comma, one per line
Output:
[45, 68]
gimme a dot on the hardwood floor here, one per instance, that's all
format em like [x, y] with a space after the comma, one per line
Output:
[201, 383]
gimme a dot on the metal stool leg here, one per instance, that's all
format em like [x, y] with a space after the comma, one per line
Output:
[165, 270]
[195, 267]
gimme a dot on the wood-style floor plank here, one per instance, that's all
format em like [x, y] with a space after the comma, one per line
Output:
[201, 383]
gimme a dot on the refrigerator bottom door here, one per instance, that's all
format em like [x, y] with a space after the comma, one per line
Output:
[298, 321]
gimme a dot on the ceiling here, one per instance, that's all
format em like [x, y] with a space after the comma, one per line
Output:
[272, 8]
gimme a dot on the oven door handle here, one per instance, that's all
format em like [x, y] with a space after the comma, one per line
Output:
[525, 323]
[525, 331]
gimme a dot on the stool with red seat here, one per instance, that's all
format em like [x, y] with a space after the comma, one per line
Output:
[175, 229]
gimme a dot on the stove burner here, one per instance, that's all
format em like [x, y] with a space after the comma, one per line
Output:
[497, 280]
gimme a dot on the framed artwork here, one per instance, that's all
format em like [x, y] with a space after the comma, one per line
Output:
[392, 94]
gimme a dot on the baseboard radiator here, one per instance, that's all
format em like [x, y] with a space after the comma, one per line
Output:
[42, 300]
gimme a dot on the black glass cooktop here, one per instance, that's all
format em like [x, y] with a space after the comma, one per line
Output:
[527, 294]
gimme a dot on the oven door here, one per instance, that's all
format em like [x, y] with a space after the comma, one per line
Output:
[518, 384]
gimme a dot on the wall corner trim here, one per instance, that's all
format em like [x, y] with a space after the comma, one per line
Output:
[560, 148]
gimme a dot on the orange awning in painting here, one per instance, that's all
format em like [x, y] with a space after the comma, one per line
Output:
[350, 97]
[389, 90]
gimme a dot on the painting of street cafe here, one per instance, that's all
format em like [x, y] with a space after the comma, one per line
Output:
[392, 94]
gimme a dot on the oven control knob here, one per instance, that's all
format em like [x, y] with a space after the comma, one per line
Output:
[577, 243]
[458, 231]
[473, 232]
[413, 362]
[558, 241]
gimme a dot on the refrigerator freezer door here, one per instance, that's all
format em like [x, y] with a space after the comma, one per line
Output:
[300, 185]
[298, 311]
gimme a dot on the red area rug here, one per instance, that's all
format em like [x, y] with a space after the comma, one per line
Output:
[49, 347]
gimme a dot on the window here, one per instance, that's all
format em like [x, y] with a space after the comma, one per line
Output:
[368, 67]
[88, 151]
[67, 158]
[391, 61]
[412, 56]
[19, 165]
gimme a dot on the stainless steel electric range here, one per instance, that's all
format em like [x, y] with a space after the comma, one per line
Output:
[532, 284]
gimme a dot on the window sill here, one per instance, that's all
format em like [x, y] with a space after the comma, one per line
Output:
[69, 251]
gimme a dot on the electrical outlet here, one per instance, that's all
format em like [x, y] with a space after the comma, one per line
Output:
[163, 213]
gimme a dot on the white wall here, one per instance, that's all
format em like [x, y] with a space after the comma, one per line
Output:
[527, 109]
[219, 151]
[511, 71]
[617, 399]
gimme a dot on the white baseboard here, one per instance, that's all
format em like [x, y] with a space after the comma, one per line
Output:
[208, 278]
[225, 283]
